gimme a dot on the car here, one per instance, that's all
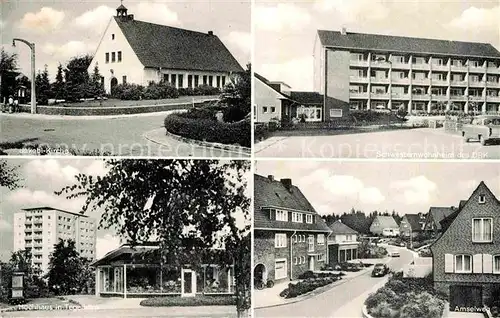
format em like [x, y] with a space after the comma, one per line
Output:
[484, 128]
[380, 270]
[394, 254]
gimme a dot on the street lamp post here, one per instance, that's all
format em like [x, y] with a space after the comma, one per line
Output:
[33, 93]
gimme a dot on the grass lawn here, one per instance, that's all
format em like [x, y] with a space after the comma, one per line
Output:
[122, 103]
[199, 300]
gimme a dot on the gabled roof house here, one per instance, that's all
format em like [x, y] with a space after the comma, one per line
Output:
[385, 226]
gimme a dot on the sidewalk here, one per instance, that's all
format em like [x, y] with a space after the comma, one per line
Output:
[88, 117]
[270, 297]
[96, 303]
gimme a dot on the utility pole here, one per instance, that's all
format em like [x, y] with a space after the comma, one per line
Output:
[33, 89]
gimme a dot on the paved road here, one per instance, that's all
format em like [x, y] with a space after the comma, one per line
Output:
[329, 303]
[145, 312]
[424, 143]
[119, 136]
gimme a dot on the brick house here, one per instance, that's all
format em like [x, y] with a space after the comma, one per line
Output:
[290, 237]
[466, 257]
[436, 214]
[342, 243]
[412, 225]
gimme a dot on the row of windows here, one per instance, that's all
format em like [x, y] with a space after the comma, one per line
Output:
[177, 80]
[266, 109]
[280, 240]
[115, 57]
[422, 60]
[467, 264]
[441, 76]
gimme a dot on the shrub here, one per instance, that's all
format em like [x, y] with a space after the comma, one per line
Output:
[306, 286]
[189, 301]
[233, 114]
[160, 91]
[307, 275]
[206, 90]
[185, 91]
[210, 130]
[128, 91]
[261, 132]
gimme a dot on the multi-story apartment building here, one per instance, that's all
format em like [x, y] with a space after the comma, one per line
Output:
[342, 243]
[372, 71]
[466, 257]
[290, 237]
[38, 229]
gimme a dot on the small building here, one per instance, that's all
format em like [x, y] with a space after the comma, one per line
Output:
[466, 257]
[385, 226]
[133, 51]
[290, 237]
[412, 225]
[268, 99]
[137, 271]
[342, 243]
[434, 217]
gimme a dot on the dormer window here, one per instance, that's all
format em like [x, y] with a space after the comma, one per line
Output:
[281, 215]
[309, 218]
[482, 198]
[297, 217]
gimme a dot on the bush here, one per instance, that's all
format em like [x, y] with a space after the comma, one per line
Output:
[307, 275]
[234, 113]
[261, 132]
[205, 90]
[210, 130]
[306, 286]
[160, 90]
[128, 91]
[189, 301]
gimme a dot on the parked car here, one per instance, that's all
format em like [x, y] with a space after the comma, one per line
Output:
[483, 128]
[380, 270]
[394, 254]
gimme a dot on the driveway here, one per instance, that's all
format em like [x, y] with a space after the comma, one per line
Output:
[341, 301]
[422, 143]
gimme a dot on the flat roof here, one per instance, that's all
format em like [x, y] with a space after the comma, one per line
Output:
[54, 209]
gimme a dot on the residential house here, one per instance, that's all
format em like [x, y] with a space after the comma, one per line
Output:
[290, 237]
[412, 225]
[374, 71]
[385, 226]
[137, 271]
[342, 243]
[434, 217]
[133, 51]
[466, 257]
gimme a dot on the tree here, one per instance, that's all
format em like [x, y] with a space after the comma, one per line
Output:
[8, 175]
[189, 206]
[95, 83]
[8, 68]
[66, 269]
[77, 77]
[42, 85]
[237, 95]
[58, 86]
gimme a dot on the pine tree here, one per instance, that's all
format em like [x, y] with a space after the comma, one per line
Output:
[58, 85]
[95, 82]
[43, 90]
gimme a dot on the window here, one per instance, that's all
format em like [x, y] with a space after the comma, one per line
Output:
[355, 89]
[181, 80]
[273, 109]
[456, 63]
[279, 240]
[119, 56]
[218, 80]
[113, 57]
[296, 260]
[281, 215]
[280, 268]
[474, 78]
[124, 79]
[418, 60]
[210, 80]
[397, 59]
[112, 36]
[173, 80]
[309, 218]
[496, 264]
[321, 239]
[482, 198]
[437, 61]
[321, 257]
[295, 238]
[297, 217]
[190, 81]
[264, 110]
[310, 243]
[463, 264]
[196, 80]
[205, 78]
[482, 230]
[165, 78]
[107, 57]
[475, 63]
[223, 81]
[335, 112]
[357, 57]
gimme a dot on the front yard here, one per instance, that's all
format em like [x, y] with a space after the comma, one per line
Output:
[406, 297]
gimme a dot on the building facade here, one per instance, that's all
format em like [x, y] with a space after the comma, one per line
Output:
[371, 71]
[132, 51]
[466, 257]
[342, 243]
[290, 237]
[385, 226]
[412, 225]
[38, 229]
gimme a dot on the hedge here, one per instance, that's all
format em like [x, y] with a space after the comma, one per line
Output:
[198, 300]
[210, 130]
[307, 286]
[102, 111]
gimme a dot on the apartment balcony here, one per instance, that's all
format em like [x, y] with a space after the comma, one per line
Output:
[493, 70]
[380, 64]
[421, 81]
[458, 83]
[439, 98]
[398, 80]
[493, 99]
[401, 66]
[424, 66]
[28, 222]
[35, 244]
[358, 95]
[398, 96]
[357, 79]
[359, 63]
[458, 97]
[38, 221]
[444, 68]
[493, 84]
[379, 95]
[436, 82]
[477, 69]
[380, 80]
[37, 252]
[476, 83]
[459, 69]
[476, 98]
[420, 97]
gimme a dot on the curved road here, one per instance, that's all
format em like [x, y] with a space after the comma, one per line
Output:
[342, 301]
[121, 136]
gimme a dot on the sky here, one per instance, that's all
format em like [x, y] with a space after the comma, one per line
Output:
[63, 29]
[285, 30]
[406, 187]
[41, 177]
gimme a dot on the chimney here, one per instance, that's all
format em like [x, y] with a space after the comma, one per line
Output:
[210, 32]
[287, 183]
[270, 177]
[131, 17]
[343, 31]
